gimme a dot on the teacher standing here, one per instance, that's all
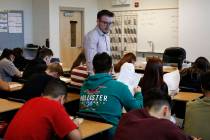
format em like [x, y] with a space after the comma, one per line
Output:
[98, 40]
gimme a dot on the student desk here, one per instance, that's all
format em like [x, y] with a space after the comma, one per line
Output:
[15, 86]
[166, 69]
[187, 96]
[89, 128]
[6, 105]
[72, 97]
[180, 101]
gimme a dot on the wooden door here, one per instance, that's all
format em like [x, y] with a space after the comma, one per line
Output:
[70, 36]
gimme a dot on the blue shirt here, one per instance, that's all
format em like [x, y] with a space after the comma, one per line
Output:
[95, 42]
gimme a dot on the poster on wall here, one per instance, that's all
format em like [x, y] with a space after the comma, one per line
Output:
[3, 27]
[3, 17]
[3, 22]
[15, 22]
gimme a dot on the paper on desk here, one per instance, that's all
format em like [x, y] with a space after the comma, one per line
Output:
[129, 77]
[14, 85]
[172, 80]
[64, 79]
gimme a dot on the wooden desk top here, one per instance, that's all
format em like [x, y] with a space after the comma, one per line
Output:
[6, 105]
[14, 86]
[72, 97]
[187, 96]
[89, 128]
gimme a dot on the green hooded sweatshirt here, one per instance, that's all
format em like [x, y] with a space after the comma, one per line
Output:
[105, 97]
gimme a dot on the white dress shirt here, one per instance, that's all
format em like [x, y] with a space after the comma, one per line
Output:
[95, 42]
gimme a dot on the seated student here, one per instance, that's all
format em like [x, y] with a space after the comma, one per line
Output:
[198, 112]
[104, 97]
[152, 122]
[39, 64]
[4, 85]
[37, 82]
[20, 62]
[127, 58]
[7, 68]
[79, 71]
[42, 117]
[153, 76]
[190, 77]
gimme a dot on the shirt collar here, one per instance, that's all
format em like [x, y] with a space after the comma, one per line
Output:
[100, 32]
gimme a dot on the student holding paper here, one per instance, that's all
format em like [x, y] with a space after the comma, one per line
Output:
[105, 97]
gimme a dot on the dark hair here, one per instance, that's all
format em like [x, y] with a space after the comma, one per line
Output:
[153, 75]
[205, 81]
[55, 88]
[102, 63]
[129, 57]
[18, 52]
[80, 59]
[201, 63]
[6, 54]
[104, 13]
[156, 98]
[44, 52]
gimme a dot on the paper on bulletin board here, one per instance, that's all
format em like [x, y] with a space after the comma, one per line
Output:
[15, 21]
[15, 29]
[3, 18]
[3, 27]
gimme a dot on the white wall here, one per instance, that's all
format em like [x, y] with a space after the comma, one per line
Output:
[90, 11]
[40, 21]
[26, 6]
[194, 27]
[143, 4]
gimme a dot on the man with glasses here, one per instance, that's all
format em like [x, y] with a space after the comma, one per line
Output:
[98, 40]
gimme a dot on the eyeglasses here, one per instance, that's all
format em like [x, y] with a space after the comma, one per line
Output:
[106, 23]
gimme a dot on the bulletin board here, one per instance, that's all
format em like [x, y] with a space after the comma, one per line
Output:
[11, 29]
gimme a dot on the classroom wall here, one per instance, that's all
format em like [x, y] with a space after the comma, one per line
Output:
[90, 10]
[194, 29]
[26, 6]
[40, 12]
[143, 4]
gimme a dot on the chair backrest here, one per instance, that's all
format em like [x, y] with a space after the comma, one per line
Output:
[174, 55]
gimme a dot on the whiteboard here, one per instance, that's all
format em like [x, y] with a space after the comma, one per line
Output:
[158, 26]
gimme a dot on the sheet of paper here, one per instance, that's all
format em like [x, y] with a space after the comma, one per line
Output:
[129, 77]
[15, 30]
[172, 80]
[14, 85]
[65, 79]
[3, 17]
